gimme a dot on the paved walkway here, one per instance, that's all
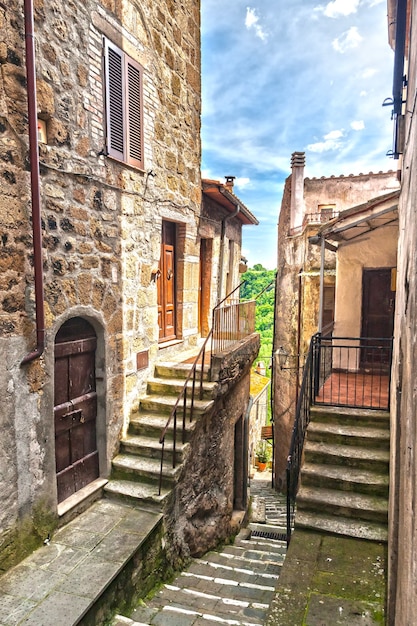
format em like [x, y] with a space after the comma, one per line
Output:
[59, 584]
[234, 585]
[330, 581]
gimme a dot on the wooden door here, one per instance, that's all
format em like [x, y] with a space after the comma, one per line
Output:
[166, 284]
[75, 407]
[378, 300]
[204, 293]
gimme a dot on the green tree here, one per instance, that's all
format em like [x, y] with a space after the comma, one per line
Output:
[259, 280]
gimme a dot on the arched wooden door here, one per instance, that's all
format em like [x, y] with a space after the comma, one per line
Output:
[75, 407]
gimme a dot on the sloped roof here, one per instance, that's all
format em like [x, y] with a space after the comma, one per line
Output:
[361, 219]
[219, 193]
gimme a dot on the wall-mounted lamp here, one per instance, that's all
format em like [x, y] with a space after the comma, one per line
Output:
[283, 357]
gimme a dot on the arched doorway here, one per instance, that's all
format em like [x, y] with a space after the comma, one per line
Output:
[75, 407]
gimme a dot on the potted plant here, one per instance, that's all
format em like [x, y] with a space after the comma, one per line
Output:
[263, 454]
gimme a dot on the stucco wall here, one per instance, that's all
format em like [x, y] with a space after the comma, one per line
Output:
[378, 249]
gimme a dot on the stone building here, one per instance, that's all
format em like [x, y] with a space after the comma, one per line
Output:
[307, 206]
[402, 597]
[100, 244]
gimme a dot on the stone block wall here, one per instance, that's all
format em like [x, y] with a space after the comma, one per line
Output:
[101, 220]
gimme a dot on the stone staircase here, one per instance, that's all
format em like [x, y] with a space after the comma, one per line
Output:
[345, 475]
[136, 469]
[233, 585]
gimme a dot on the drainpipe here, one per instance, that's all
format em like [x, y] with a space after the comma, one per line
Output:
[322, 260]
[35, 186]
[222, 244]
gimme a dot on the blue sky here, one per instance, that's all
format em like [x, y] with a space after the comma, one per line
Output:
[282, 76]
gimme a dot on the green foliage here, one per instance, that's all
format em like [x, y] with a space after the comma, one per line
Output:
[263, 451]
[257, 279]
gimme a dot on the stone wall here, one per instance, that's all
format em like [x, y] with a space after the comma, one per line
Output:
[402, 598]
[101, 220]
[200, 515]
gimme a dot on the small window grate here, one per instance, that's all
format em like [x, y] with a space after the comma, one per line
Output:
[268, 535]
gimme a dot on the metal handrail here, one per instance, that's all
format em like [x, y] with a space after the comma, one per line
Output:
[302, 419]
[183, 396]
[317, 369]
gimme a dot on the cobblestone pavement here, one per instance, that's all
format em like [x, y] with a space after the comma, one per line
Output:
[234, 585]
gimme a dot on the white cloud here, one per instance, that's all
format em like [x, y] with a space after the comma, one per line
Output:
[331, 142]
[363, 94]
[369, 72]
[350, 39]
[242, 182]
[339, 8]
[333, 135]
[357, 125]
[252, 21]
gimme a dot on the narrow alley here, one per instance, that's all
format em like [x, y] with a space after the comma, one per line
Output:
[232, 585]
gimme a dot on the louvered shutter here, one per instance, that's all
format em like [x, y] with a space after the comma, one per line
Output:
[134, 114]
[123, 106]
[114, 101]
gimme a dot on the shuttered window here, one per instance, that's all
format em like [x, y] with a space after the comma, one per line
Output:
[124, 106]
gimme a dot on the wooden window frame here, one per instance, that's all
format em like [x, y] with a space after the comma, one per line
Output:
[124, 106]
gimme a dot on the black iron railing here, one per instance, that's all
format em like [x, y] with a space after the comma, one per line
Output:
[302, 419]
[339, 371]
[183, 408]
[232, 321]
[352, 372]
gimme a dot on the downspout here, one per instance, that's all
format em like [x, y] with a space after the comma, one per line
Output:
[35, 183]
[321, 305]
[222, 243]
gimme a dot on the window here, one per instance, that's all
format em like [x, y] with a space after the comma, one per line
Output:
[124, 106]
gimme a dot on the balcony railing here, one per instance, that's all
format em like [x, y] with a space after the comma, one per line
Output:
[352, 372]
[232, 321]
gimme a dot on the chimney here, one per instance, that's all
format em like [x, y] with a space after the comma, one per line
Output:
[298, 160]
[229, 183]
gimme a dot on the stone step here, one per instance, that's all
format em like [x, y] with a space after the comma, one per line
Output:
[343, 504]
[352, 456]
[343, 415]
[174, 386]
[133, 468]
[152, 424]
[349, 435]
[149, 447]
[164, 404]
[359, 529]
[345, 479]
[133, 492]
[179, 370]
[210, 570]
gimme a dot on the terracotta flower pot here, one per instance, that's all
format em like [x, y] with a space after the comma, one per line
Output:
[262, 466]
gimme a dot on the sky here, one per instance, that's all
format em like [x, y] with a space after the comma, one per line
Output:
[283, 76]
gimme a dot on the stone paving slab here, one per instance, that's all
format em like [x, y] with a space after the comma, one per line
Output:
[330, 580]
[59, 582]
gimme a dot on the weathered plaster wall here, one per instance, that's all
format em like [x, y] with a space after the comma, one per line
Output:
[101, 220]
[377, 250]
[402, 579]
[347, 191]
